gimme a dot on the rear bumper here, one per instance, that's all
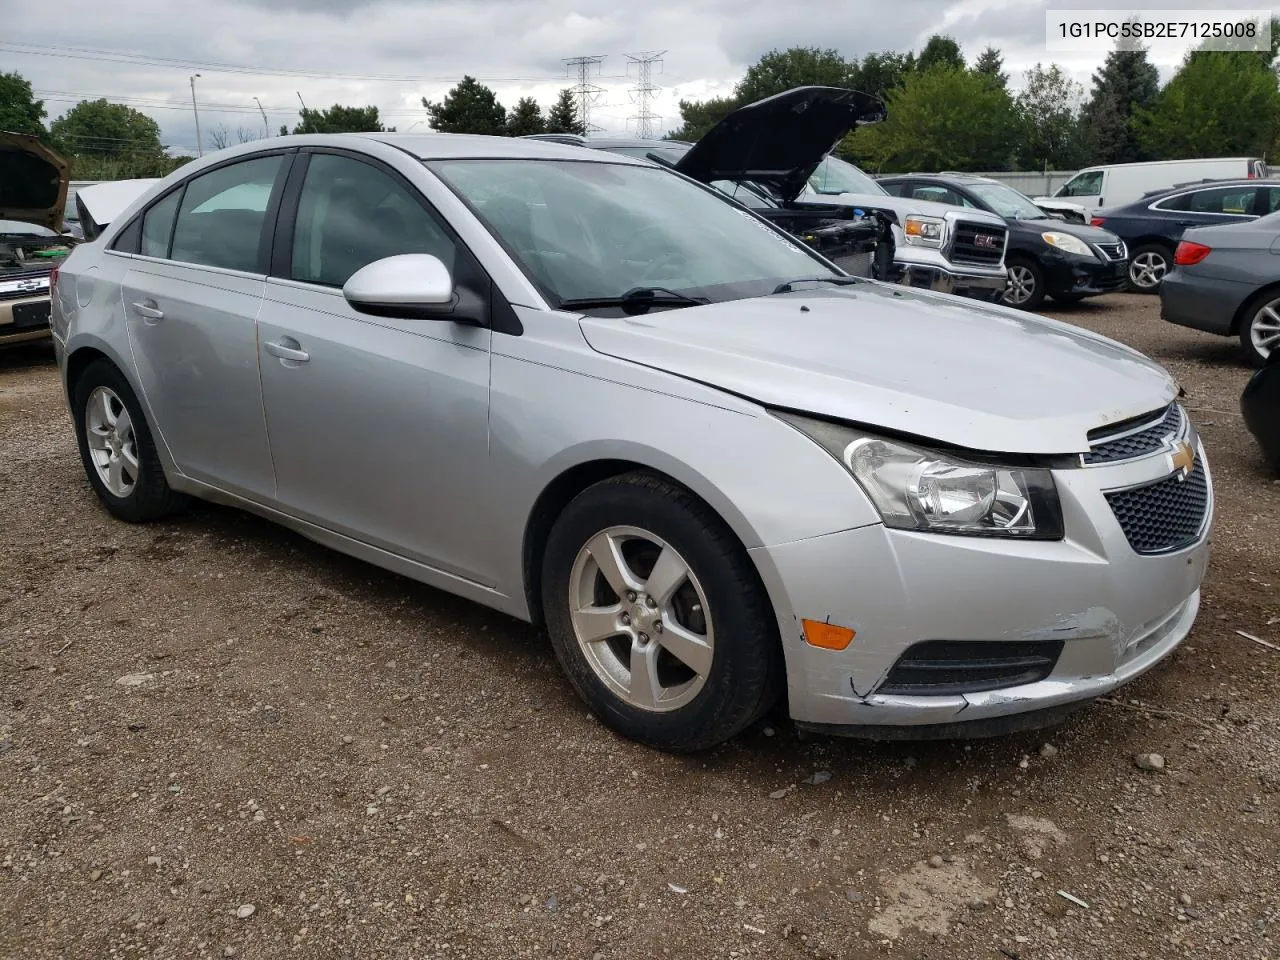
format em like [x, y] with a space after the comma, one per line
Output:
[1200, 302]
[24, 319]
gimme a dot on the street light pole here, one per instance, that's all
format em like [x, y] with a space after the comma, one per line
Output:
[196, 111]
[266, 131]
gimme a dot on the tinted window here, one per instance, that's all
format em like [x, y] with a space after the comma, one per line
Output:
[350, 214]
[894, 189]
[1235, 200]
[583, 230]
[1082, 185]
[157, 226]
[222, 215]
[936, 194]
[127, 241]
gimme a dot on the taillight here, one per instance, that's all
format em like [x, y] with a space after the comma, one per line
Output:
[1097, 221]
[1189, 253]
[53, 279]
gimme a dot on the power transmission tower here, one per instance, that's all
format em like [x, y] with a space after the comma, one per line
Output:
[586, 92]
[645, 90]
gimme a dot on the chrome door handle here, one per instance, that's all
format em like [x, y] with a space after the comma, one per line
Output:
[148, 309]
[286, 352]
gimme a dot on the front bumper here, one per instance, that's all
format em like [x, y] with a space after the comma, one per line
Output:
[24, 319]
[1116, 613]
[944, 276]
[1084, 277]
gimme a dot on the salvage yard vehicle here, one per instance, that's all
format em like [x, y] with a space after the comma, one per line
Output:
[1260, 407]
[33, 191]
[1045, 256]
[1224, 281]
[715, 468]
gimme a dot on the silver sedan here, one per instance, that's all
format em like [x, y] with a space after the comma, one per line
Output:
[596, 395]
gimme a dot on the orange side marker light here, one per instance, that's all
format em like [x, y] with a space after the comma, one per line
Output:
[828, 636]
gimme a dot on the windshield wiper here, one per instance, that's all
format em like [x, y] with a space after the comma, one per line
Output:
[787, 286]
[638, 300]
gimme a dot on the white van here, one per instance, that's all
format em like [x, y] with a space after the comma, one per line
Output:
[1115, 184]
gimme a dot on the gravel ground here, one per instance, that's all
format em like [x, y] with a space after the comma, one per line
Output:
[219, 740]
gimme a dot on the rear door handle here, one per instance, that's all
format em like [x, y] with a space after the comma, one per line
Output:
[287, 350]
[148, 309]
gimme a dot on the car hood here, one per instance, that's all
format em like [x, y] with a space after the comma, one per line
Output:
[1081, 230]
[780, 140]
[33, 181]
[100, 203]
[969, 375]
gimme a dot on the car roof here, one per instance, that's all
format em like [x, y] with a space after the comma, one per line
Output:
[446, 146]
[958, 178]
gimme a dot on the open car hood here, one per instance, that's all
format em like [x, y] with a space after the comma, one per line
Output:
[33, 181]
[101, 203]
[780, 140]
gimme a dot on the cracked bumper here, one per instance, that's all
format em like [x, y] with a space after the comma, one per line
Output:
[1117, 613]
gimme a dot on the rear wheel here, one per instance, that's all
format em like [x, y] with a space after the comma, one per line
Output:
[116, 448]
[657, 615]
[1025, 287]
[1148, 266]
[1260, 331]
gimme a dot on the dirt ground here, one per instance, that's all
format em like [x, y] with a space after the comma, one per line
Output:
[220, 740]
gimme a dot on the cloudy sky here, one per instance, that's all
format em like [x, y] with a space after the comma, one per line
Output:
[394, 52]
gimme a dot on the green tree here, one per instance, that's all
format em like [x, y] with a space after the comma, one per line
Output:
[563, 115]
[780, 70]
[1219, 103]
[880, 73]
[340, 119]
[940, 51]
[470, 107]
[1126, 84]
[990, 64]
[699, 116]
[525, 118]
[940, 119]
[20, 111]
[103, 129]
[1048, 111]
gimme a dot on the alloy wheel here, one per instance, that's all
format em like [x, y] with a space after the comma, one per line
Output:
[1021, 285]
[1264, 331]
[1147, 269]
[641, 618]
[112, 445]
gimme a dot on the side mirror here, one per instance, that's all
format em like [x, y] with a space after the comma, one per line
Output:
[409, 285]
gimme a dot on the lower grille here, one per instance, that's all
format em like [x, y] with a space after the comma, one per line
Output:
[937, 667]
[974, 243]
[1113, 251]
[1163, 516]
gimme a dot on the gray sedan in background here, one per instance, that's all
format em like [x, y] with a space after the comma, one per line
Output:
[600, 396]
[1226, 280]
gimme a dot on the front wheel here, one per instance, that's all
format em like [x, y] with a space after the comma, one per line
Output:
[1148, 267]
[657, 615]
[1025, 286]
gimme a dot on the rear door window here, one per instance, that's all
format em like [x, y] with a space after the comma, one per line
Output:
[1231, 201]
[220, 223]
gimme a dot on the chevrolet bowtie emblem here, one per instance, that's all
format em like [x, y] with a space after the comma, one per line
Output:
[1183, 459]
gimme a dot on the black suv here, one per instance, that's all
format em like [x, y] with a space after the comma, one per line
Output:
[1045, 255]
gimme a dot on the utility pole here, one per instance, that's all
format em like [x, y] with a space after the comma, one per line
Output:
[196, 111]
[586, 91]
[266, 131]
[644, 91]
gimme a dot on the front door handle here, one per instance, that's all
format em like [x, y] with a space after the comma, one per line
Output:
[148, 310]
[287, 350]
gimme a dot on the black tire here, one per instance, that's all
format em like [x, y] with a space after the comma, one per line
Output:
[1066, 298]
[1158, 253]
[150, 497]
[746, 672]
[1249, 316]
[1033, 279]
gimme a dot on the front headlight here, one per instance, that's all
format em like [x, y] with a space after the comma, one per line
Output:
[918, 489]
[925, 231]
[1068, 244]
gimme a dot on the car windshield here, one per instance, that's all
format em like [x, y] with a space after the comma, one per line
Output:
[836, 176]
[590, 230]
[1007, 201]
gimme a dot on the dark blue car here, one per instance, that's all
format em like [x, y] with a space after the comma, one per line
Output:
[1151, 227]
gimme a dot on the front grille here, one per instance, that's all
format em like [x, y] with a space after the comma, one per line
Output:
[1133, 439]
[1113, 251]
[967, 247]
[937, 667]
[1163, 516]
